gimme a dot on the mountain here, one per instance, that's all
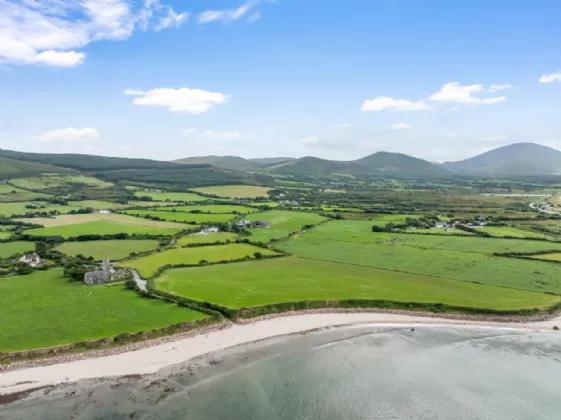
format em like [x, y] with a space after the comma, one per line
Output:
[381, 163]
[271, 161]
[226, 162]
[514, 159]
[399, 163]
[11, 168]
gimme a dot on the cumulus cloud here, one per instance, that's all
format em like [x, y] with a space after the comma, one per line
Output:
[213, 134]
[494, 88]
[550, 78]
[48, 32]
[400, 126]
[341, 125]
[382, 103]
[453, 134]
[70, 135]
[454, 92]
[231, 15]
[190, 101]
[491, 139]
[310, 140]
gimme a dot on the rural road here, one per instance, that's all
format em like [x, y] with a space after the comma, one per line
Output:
[535, 207]
[139, 282]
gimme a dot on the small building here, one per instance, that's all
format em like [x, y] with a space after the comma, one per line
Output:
[106, 274]
[209, 230]
[441, 225]
[104, 211]
[244, 223]
[260, 224]
[32, 259]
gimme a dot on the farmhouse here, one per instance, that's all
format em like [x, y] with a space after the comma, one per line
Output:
[441, 225]
[32, 259]
[104, 212]
[244, 223]
[209, 230]
[106, 274]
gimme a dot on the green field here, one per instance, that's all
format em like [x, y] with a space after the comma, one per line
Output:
[73, 219]
[98, 228]
[171, 196]
[207, 239]
[9, 194]
[264, 203]
[501, 231]
[113, 250]
[547, 257]
[56, 181]
[147, 266]
[214, 208]
[7, 249]
[278, 280]
[180, 216]
[471, 266]
[235, 191]
[44, 310]
[5, 235]
[283, 223]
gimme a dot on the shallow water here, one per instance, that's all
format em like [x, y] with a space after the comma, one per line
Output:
[352, 373]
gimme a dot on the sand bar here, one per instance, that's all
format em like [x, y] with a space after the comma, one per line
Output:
[152, 358]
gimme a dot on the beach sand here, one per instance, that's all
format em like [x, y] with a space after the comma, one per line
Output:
[150, 358]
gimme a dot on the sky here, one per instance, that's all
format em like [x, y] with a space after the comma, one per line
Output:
[337, 79]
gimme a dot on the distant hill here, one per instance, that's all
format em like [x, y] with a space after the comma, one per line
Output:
[225, 162]
[271, 161]
[11, 168]
[514, 159]
[381, 163]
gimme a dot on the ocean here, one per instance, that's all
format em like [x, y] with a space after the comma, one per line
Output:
[363, 372]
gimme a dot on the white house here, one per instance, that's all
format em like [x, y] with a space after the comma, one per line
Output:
[104, 212]
[441, 225]
[32, 259]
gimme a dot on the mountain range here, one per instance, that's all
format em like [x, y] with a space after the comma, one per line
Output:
[520, 159]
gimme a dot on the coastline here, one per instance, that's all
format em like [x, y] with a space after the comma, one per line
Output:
[149, 357]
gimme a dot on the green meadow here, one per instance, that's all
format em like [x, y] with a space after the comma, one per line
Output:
[278, 280]
[181, 217]
[44, 309]
[113, 250]
[98, 228]
[283, 223]
[7, 249]
[207, 239]
[171, 196]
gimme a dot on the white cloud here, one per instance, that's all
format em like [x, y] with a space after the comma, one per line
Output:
[231, 15]
[190, 101]
[453, 134]
[213, 134]
[550, 78]
[400, 126]
[125, 148]
[70, 135]
[49, 32]
[494, 88]
[310, 140]
[381, 103]
[491, 139]
[454, 92]
[344, 125]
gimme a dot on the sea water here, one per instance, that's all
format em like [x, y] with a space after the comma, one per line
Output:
[368, 372]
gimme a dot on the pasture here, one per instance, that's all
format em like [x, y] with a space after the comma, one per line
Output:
[448, 257]
[74, 219]
[43, 309]
[8, 249]
[501, 231]
[180, 216]
[9, 194]
[99, 228]
[171, 196]
[278, 280]
[221, 237]
[113, 250]
[148, 265]
[57, 181]
[213, 208]
[235, 191]
[556, 256]
[283, 223]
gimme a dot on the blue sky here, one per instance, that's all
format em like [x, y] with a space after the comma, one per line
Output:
[340, 79]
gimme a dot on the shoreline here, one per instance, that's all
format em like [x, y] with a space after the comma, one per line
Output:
[148, 357]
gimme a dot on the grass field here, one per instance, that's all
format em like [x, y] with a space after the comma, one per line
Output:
[214, 208]
[207, 239]
[235, 191]
[98, 228]
[5, 235]
[257, 283]
[267, 203]
[171, 196]
[283, 223]
[113, 250]
[7, 249]
[180, 216]
[148, 265]
[548, 257]
[467, 262]
[9, 194]
[73, 219]
[501, 231]
[56, 181]
[43, 310]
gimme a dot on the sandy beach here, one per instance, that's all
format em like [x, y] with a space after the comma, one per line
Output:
[151, 358]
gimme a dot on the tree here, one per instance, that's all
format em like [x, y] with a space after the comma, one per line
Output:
[377, 229]
[258, 255]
